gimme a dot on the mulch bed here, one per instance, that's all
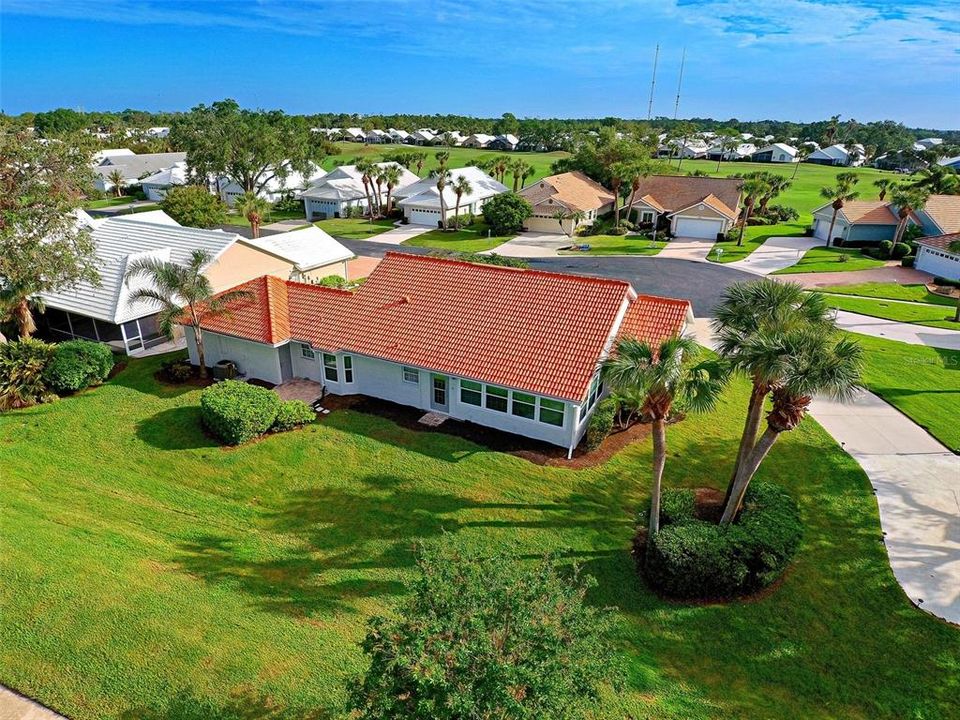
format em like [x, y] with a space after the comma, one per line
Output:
[539, 453]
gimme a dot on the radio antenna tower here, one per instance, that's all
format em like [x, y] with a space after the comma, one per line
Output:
[653, 81]
[676, 105]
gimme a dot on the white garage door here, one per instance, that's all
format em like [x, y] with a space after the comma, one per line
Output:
[424, 217]
[821, 229]
[543, 225]
[698, 228]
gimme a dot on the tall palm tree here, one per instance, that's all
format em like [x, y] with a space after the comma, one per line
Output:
[616, 181]
[442, 176]
[907, 200]
[117, 179]
[366, 168]
[379, 178]
[635, 172]
[776, 184]
[391, 177]
[937, 179]
[803, 152]
[461, 186]
[954, 247]
[253, 208]
[561, 216]
[183, 291]
[884, 185]
[520, 169]
[753, 188]
[662, 376]
[812, 363]
[15, 301]
[419, 158]
[839, 195]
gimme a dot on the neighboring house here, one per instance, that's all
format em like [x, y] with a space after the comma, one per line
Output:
[342, 188]
[928, 143]
[133, 167]
[421, 200]
[935, 257]
[156, 186]
[353, 134]
[776, 153]
[691, 148]
[157, 132]
[376, 136]
[858, 220]
[693, 207]
[422, 137]
[841, 155]
[106, 313]
[398, 136]
[741, 152]
[515, 350]
[99, 157]
[478, 140]
[940, 215]
[951, 162]
[504, 142]
[568, 192]
[274, 189]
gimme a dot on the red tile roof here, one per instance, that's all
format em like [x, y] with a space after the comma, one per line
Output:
[527, 329]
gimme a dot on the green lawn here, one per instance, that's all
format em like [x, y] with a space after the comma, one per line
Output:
[469, 239]
[147, 573]
[827, 259]
[617, 245]
[908, 312]
[892, 291]
[271, 217]
[354, 228]
[922, 382]
[110, 202]
[754, 237]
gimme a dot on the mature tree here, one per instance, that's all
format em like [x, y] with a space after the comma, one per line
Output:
[839, 195]
[633, 173]
[43, 246]
[59, 122]
[884, 185]
[486, 637]
[442, 177]
[727, 140]
[907, 200]
[506, 125]
[521, 170]
[661, 376]
[595, 157]
[753, 188]
[937, 179]
[194, 206]
[418, 159]
[253, 208]
[562, 216]
[505, 213]
[117, 179]
[776, 184]
[803, 152]
[954, 247]
[367, 168]
[391, 177]
[251, 148]
[183, 293]
[461, 186]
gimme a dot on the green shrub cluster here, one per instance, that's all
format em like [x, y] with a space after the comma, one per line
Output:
[908, 261]
[176, 371]
[76, 365]
[946, 282]
[22, 366]
[292, 414]
[600, 423]
[237, 412]
[692, 558]
[506, 213]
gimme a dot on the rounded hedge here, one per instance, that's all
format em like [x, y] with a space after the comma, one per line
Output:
[691, 558]
[237, 412]
[76, 365]
[292, 414]
[600, 423]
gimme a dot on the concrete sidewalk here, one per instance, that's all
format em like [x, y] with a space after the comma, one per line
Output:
[902, 332]
[14, 706]
[775, 254]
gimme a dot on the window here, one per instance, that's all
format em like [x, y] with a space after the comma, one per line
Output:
[496, 398]
[330, 367]
[524, 405]
[348, 368]
[646, 217]
[306, 352]
[411, 375]
[551, 412]
[470, 392]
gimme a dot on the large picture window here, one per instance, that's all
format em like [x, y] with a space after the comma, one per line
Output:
[471, 393]
[497, 398]
[330, 367]
[524, 405]
[551, 412]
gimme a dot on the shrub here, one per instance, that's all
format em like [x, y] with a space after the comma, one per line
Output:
[600, 423]
[694, 560]
[194, 206]
[292, 414]
[946, 282]
[908, 261]
[900, 250]
[289, 203]
[176, 371]
[884, 249]
[843, 258]
[506, 213]
[676, 507]
[463, 220]
[22, 366]
[78, 364]
[782, 213]
[237, 412]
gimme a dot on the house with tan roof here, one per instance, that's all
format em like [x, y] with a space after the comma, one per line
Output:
[940, 215]
[513, 349]
[568, 193]
[691, 207]
[859, 221]
[934, 255]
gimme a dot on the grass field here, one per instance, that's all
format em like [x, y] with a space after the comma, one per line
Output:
[911, 293]
[110, 202]
[271, 217]
[617, 245]
[908, 312]
[824, 259]
[147, 573]
[469, 239]
[922, 382]
[354, 228]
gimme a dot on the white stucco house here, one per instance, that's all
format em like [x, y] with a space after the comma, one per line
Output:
[420, 201]
[720, 151]
[155, 186]
[837, 154]
[275, 188]
[342, 188]
[132, 167]
[935, 256]
[478, 140]
[515, 350]
[776, 153]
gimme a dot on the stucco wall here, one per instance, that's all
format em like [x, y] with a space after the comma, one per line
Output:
[318, 273]
[255, 360]
[938, 262]
[241, 262]
[871, 232]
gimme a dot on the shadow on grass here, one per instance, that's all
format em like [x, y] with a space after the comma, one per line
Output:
[175, 429]
[243, 706]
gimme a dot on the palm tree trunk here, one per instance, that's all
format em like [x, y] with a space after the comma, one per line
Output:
[956, 318]
[23, 318]
[633, 198]
[456, 214]
[443, 212]
[743, 228]
[833, 220]
[201, 358]
[901, 226]
[746, 473]
[389, 198]
[659, 460]
[795, 168]
[719, 160]
[751, 427]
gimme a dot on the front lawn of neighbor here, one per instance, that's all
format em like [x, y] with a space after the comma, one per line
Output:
[468, 240]
[354, 228]
[908, 312]
[148, 573]
[827, 259]
[273, 216]
[109, 202]
[922, 382]
[754, 237]
[616, 245]
[911, 293]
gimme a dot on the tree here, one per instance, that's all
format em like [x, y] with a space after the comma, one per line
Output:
[634, 173]
[776, 184]
[884, 185]
[62, 121]
[937, 179]
[43, 247]
[838, 195]
[521, 170]
[505, 213]
[907, 200]
[117, 179]
[803, 152]
[753, 188]
[461, 187]
[812, 362]
[253, 208]
[194, 206]
[616, 180]
[391, 176]
[419, 158]
[486, 637]
[595, 157]
[954, 247]
[442, 176]
[727, 140]
[366, 168]
[183, 292]
[661, 376]
[561, 216]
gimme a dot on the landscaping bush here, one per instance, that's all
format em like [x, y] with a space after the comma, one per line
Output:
[78, 364]
[292, 414]
[194, 206]
[884, 249]
[237, 412]
[900, 250]
[176, 371]
[463, 220]
[782, 213]
[946, 282]
[600, 423]
[289, 204]
[908, 261]
[22, 366]
[692, 558]
[506, 213]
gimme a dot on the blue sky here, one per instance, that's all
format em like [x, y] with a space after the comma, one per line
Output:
[783, 59]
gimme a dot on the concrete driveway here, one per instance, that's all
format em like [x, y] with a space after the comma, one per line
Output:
[400, 234]
[533, 245]
[775, 254]
[695, 249]
[904, 332]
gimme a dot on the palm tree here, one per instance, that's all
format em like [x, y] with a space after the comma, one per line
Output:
[938, 179]
[391, 177]
[365, 167]
[379, 178]
[753, 188]
[615, 182]
[727, 143]
[461, 187]
[907, 200]
[15, 306]
[954, 247]
[116, 177]
[521, 170]
[838, 195]
[253, 208]
[442, 176]
[561, 216]
[182, 291]
[662, 376]
[418, 159]
[812, 362]
[776, 185]
[634, 173]
[884, 185]
[802, 153]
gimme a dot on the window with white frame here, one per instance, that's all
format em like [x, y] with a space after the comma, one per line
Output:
[471, 393]
[523, 405]
[330, 367]
[551, 412]
[348, 368]
[307, 352]
[496, 398]
[411, 375]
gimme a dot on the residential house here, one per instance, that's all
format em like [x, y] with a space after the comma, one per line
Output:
[157, 132]
[101, 155]
[353, 134]
[398, 136]
[692, 207]
[133, 168]
[422, 137]
[929, 143]
[940, 215]
[274, 189]
[842, 155]
[478, 140]
[156, 186]
[951, 162]
[689, 148]
[506, 142]
[776, 153]
[342, 188]
[376, 137]
[568, 193]
[421, 200]
[857, 220]
[742, 151]
[505, 348]
[935, 256]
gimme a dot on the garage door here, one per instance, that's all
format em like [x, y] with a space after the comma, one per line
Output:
[543, 225]
[698, 228]
[424, 217]
[821, 230]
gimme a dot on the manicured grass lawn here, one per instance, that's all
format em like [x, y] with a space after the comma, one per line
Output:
[754, 237]
[922, 382]
[617, 245]
[147, 573]
[109, 202]
[354, 228]
[827, 259]
[910, 293]
[930, 315]
[271, 217]
[469, 239]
